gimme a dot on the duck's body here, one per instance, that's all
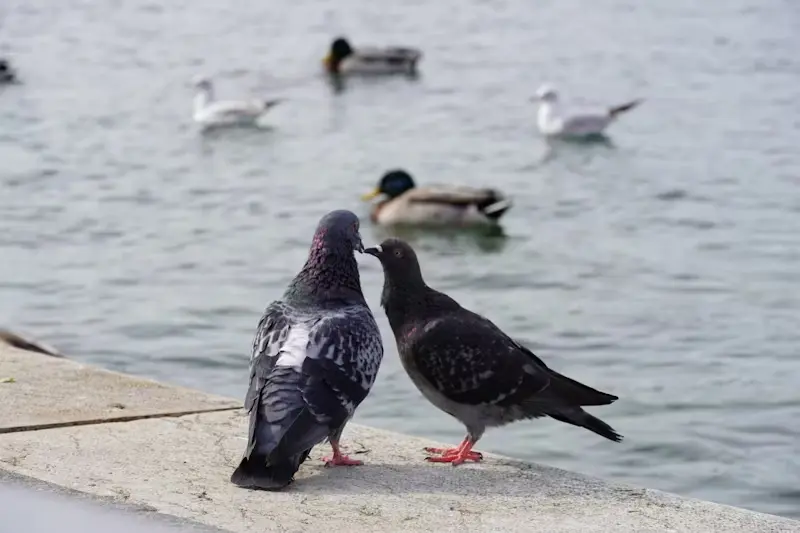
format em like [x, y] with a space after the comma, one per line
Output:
[438, 205]
[343, 59]
[552, 122]
[210, 112]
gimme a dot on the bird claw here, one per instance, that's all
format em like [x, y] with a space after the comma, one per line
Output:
[341, 460]
[455, 456]
[456, 460]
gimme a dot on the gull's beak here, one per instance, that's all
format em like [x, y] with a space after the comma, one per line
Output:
[370, 195]
[374, 251]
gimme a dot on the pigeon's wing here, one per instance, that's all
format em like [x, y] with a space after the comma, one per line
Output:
[471, 361]
[343, 357]
[309, 374]
[272, 332]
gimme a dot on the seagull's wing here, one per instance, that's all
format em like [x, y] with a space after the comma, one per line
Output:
[585, 124]
[235, 110]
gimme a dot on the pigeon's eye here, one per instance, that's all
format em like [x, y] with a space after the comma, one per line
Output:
[398, 253]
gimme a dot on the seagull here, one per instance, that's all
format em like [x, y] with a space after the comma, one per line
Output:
[315, 356]
[469, 368]
[552, 123]
[209, 112]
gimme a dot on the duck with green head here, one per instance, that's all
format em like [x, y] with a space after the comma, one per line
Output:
[343, 59]
[405, 204]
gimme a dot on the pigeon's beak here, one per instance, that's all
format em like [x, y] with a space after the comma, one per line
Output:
[374, 251]
[359, 246]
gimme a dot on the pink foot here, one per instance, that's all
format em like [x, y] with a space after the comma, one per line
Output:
[341, 460]
[443, 451]
[455, 456]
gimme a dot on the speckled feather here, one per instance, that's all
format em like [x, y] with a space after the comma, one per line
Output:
[465, 365]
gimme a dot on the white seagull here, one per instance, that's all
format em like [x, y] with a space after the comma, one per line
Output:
[210, 112]
[552, 123]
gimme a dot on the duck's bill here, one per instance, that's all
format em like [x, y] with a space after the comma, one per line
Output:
[370, 195]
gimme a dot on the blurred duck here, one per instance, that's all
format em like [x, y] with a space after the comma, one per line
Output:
[210, 112]
[343, 59]
[7, 73]
[552, 122]
[440, 205]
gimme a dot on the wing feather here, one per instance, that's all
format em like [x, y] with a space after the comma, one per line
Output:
[480, 366]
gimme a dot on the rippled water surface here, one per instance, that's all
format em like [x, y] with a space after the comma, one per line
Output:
[663, 269]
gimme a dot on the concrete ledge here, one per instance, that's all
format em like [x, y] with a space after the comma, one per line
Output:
[50, 392]
[180, 466]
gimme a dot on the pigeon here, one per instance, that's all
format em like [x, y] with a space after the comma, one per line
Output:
[552, 123]
[467, 367]
[315, 356]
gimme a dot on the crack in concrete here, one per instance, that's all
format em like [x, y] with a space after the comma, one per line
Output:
[93, 421]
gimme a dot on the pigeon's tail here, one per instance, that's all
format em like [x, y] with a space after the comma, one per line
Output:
[254, 472]
[574, 393]
[494, 205]
[579, 417]
[618, 110]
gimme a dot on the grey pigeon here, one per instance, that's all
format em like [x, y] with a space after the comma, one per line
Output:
[315, 357]
[467, 367]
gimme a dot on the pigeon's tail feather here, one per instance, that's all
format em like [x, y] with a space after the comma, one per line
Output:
[574, 393]
[618, 110]
[579, 417]
[254, 472]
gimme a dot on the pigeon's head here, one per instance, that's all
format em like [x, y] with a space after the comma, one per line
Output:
[546, 93]
[398, 259]
[392, 184]
[339, 230]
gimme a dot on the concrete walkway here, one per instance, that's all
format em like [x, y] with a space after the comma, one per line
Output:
[172, 450]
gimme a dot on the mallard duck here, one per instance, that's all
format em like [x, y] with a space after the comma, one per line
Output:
[552, 123]
[442, 205]
[7, 74]
[209, 112]
[344, 59]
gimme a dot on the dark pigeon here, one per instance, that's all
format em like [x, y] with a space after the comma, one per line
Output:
[467, 367]
[315, 357]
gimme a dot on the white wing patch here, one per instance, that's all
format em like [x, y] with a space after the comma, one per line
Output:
[294, 350]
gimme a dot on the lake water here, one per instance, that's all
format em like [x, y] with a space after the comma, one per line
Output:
[663, 269]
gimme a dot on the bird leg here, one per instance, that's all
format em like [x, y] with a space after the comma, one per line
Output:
[338, 459]
[456, 456]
